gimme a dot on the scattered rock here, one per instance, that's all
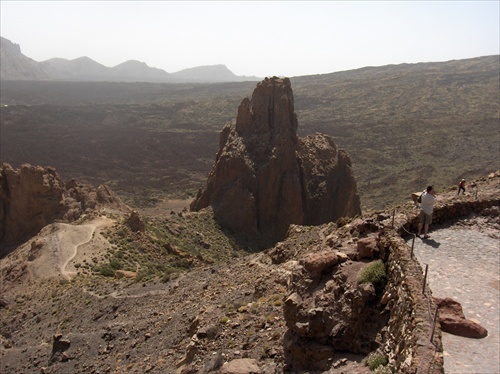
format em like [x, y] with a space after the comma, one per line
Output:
[208, 332]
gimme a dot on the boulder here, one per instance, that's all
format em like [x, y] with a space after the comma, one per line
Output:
[368, 247]
[321, 261]
[453, 321]
[208, 332]
[265, 178]
[59, 344]
[214, 363]
[241, 366]
[125, 274]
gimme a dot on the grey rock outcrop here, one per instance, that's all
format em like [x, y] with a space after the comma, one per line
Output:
[266, 178]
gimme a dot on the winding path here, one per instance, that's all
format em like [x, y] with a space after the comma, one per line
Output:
[68, 238]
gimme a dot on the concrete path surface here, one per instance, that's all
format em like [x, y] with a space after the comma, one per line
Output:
[464, 264]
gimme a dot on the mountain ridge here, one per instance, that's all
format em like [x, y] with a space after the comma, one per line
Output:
[17, 66]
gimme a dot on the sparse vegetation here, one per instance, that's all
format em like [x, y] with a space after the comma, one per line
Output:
[167, 246]
[374, 273]
[375, 360]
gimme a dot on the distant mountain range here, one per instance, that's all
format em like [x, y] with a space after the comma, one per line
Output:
[16, 66]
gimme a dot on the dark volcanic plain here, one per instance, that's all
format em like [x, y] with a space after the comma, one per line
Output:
[404, 126]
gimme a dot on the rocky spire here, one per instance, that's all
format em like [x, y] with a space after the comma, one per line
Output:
[266, 178]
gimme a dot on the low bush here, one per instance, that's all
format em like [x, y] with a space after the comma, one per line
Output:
[373, 273]
[375, 360]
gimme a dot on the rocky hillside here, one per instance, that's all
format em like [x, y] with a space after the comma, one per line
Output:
[121, 292]
[266, 178]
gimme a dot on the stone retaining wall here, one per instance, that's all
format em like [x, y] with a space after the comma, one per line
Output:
[407, 341]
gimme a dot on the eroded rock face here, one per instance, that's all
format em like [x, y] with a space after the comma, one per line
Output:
[33, 196]
[326, 308]
[266, 178]
[30, 199]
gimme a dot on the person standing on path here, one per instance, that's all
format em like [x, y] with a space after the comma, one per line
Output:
[461, 186]
[426, 208]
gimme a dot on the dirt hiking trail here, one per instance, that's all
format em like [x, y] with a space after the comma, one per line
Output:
[71, 243]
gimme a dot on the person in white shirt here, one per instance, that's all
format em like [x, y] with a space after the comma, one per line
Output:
[426, 208]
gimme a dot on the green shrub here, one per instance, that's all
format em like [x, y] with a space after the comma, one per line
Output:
[106, 271]
[373, 273]
[116, 264]
[375, 360]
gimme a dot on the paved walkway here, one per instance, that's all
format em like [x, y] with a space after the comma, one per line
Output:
[465, 266]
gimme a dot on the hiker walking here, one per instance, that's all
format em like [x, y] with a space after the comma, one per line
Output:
[426, 208]
[461, 186]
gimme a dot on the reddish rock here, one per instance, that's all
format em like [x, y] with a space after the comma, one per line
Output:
[266, 178]
[322, 261]
[453, 321]
[462, 327]
[368, 247]
[125, 274]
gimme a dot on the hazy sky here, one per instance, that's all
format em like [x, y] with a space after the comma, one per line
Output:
[261, 38]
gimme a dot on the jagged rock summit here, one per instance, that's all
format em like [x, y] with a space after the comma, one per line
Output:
[266, 178]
